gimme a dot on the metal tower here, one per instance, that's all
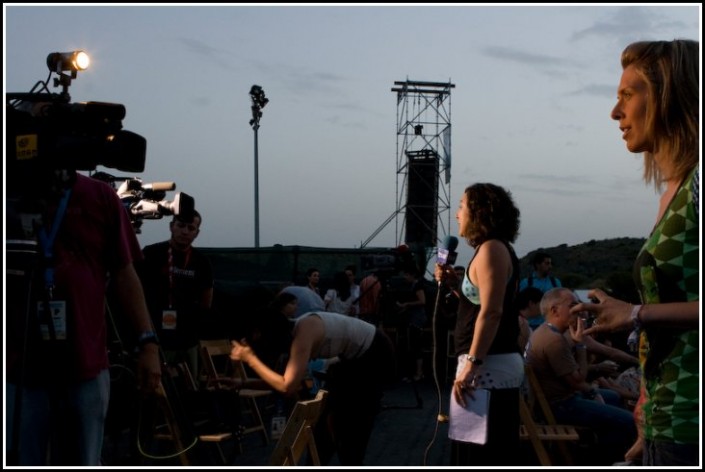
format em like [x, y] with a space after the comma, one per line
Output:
[423, 163]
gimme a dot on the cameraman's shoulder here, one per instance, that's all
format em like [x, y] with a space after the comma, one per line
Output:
[89, 189]
[94, 185]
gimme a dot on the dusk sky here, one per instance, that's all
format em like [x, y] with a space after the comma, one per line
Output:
[534, 87]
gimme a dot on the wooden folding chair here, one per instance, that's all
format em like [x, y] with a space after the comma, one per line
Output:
[224, 374]
[182, 371]
[546, 431]
[297, 436]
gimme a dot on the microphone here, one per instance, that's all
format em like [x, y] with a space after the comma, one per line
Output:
[446, 251]
[159, 186]
[446, 255]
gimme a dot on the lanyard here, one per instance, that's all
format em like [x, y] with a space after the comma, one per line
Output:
[170, 261]
[47, 243]
[553, 328]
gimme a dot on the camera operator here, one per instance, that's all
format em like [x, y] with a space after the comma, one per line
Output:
[58, 384]
[178, 284]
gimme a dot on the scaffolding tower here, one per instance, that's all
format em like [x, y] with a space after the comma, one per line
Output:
[423, 163]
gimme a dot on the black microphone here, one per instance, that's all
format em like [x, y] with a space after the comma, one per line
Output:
[446, 252]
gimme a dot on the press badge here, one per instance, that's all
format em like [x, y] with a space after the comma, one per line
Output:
[58, 319]
[169, 319]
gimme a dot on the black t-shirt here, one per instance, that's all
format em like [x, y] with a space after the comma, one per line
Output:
[171, 283]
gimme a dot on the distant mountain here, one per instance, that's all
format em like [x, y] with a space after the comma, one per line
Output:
[605, 264]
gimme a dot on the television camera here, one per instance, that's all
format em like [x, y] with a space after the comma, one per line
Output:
[46, 131]
[147, 201]
[47, 134]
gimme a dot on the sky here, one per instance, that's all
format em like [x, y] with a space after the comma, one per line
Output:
[530, 110]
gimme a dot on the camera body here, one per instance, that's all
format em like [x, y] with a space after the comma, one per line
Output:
[46, 133]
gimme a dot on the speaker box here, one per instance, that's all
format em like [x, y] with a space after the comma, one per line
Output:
[422, 198]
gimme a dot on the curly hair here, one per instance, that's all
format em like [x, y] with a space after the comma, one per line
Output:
[493, 214]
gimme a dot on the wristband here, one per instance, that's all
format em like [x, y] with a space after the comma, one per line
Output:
[147, 337]
[580, 346]
[636, 309]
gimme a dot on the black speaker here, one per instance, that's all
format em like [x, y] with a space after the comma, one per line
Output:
[422, 198]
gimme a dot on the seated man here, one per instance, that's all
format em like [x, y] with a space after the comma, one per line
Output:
[562, 371]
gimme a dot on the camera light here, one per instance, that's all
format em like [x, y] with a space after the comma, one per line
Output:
[81, 60]
[68, 61]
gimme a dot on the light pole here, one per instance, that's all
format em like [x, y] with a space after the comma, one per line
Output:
[258, 102]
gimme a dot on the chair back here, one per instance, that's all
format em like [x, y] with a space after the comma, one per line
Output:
[537, 397]
[546, 432]
[297, 436]
[219, 368]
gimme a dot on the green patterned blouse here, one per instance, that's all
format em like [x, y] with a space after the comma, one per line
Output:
[667, 270]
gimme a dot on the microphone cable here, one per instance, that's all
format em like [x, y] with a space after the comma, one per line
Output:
[440, 417]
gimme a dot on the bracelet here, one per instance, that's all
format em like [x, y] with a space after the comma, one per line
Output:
[147, 337]
[636, 309]
[474, 360]
[580, 346]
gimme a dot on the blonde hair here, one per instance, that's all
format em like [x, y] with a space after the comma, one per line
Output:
[671, 72]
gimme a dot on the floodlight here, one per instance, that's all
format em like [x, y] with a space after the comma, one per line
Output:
[257, 95]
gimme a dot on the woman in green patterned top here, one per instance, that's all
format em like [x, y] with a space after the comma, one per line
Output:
[657, 110]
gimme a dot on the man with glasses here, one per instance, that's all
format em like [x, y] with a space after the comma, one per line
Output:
[562, 369]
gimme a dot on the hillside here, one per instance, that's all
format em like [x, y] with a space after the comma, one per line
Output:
[603, 264]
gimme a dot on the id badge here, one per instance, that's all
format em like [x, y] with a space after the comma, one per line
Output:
[169, 319]
[58, 319]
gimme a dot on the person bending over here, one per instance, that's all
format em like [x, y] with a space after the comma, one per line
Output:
[355, 382]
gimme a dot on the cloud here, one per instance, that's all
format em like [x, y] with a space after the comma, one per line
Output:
[300, 81]
[622, 23]
[204, 51]
[515, 55]
[551, 66]
[608, 91]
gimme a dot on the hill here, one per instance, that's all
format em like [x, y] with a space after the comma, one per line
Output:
[605, 264]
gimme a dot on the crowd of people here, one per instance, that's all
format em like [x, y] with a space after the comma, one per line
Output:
[643, 406]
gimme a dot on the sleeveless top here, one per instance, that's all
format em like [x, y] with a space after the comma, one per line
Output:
[505, 340]
[667, 270]
[345, 337]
